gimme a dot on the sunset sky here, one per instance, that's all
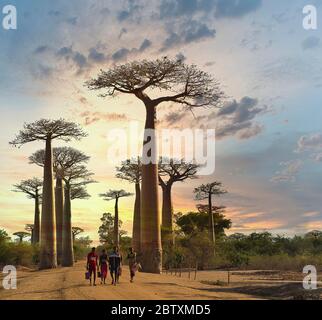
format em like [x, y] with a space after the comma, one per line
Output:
[268, 133]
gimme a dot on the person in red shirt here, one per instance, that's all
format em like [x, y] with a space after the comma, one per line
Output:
[92, 258]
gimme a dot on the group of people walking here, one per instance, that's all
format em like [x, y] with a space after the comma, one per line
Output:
[98, 265]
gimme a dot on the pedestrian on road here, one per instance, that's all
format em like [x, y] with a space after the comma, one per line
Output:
[92, 265]
[103, 266]
[115, 260]
[132, 263]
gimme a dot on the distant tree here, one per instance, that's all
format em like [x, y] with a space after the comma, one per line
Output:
[194, 222]
[32, 188]
[115, 195]
[76, 231]
[106, 230]
[154, 82]
[130, 170]
[30, 229]
[84, 241]
[3, 235]
[170, 172]
[21, 235]
[207, 191]
[48, 130]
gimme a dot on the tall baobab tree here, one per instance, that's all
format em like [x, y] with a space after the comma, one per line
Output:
[48, 130]
[63, 159]
[76, 231]
[130, 170]
[30, 229]
[21, 235]
[167, 81]
[207, 191]
[75, 179]
[32, 188]
[170, 172]
[115, 195]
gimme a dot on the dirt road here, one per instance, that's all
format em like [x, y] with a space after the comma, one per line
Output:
[69, 284]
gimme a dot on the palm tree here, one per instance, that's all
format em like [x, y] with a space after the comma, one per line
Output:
[190, 87]
[130, 170]
[115, 195]
[31, 188]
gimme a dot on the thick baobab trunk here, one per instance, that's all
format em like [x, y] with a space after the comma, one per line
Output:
[59, 199]
[136, 233]
[211, 224]
[151, 250]
[167, 215]
[48, 257]
[116, 224]
[67, 259]
[36, 230]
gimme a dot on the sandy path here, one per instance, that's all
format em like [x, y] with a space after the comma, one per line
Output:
[69, 284]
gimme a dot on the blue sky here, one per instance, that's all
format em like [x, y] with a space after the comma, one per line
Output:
[269, 147]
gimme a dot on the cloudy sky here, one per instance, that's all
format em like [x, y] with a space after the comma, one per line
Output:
[268, 133]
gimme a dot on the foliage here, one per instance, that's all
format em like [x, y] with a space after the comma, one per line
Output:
[106, 230]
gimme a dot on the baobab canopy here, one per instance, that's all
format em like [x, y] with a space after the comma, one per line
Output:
[189, 85]
[45, 129]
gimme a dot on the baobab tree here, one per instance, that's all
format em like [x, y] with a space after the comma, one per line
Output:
[30, 229]
[63, 159]
[130, 170]
[75, 179]
[76, 231]
[170, 172]
[48, 130]
[32, 188]
[115, 195]
[166, 81]
[21, 235]
[207, 191]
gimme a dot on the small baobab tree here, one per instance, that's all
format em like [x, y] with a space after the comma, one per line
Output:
[48, 130]
[32, 188]
[170, 172]
[154, 82]
[130, 170]
[21, 235]
[206, 192]
[115, 195]
[76, 231]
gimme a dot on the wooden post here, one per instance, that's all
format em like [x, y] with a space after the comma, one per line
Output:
[196, 271]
